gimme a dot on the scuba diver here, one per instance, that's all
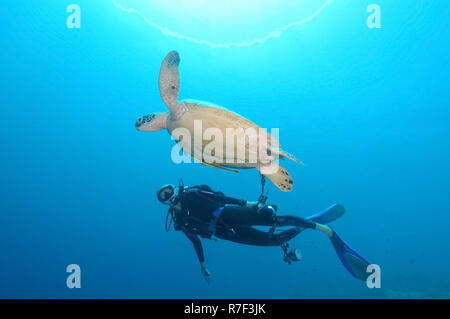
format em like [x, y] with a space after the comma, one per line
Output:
[200, 211]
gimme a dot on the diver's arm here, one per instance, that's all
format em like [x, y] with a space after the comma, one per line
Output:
[206, 190]
[199, 250]
[197, 245]
[221, 197]
[205, 272]
[239, 202]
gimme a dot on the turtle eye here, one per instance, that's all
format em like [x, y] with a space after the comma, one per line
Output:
[173, 87]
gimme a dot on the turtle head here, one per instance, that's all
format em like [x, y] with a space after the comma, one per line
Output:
[152, 122]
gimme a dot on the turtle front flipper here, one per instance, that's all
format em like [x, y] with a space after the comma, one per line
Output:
[280, 178]
[169, 84]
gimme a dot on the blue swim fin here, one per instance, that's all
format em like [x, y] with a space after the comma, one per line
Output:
[328, 215]
[354, 262]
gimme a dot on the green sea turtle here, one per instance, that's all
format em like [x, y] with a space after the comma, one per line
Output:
[185, 113]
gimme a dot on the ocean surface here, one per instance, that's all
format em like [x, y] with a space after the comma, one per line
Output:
[367, 110]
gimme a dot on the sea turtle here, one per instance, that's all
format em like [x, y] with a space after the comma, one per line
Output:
[183, 114]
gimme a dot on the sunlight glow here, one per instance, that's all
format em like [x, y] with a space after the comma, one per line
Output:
[217, 12]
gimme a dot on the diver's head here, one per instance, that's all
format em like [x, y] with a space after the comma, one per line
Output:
[152, 122]
[166, 194]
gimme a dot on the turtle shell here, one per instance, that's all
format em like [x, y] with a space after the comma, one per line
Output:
[222, 125]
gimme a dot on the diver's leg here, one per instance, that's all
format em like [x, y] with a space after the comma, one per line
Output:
[286, 235]
[241, 216]
[294, 221]
[252, 236]
[302, 222]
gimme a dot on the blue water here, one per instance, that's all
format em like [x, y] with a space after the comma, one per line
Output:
[366, 110]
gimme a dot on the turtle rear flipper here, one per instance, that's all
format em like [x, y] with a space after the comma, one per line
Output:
[283, 154]
[290, 156]
[218, 166]
[280, 178]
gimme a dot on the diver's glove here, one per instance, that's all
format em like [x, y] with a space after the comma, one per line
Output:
[205, 272]
[253, 204]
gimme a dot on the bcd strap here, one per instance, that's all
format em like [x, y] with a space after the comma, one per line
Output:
[213, 224]
[168, 224]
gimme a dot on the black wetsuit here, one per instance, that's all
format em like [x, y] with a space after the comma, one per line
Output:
[206, 213]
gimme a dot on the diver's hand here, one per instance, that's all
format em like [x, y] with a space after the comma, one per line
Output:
[205, 272]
